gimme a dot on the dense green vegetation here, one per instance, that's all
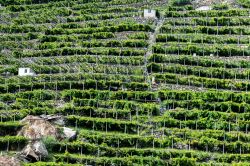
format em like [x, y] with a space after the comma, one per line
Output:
[139, 91]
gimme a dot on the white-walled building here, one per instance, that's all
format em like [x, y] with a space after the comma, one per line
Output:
[26, 72]
[148, 13]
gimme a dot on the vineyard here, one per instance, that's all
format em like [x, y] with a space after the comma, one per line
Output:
[173, 89]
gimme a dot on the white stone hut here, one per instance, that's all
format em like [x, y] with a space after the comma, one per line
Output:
[149, 13]
[26, 72]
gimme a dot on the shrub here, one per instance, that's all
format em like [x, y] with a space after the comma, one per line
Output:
[180, 2]
[221, 6]
[49, 142]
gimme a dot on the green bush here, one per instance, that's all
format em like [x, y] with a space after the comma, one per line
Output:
[184, 161]
[49, 142]
[244, 3]
[221, 6]
[180, 2]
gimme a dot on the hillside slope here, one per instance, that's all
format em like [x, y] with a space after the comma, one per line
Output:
[108, 86]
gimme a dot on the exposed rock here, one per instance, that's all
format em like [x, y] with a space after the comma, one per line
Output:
[50, 117]
[9, 161]
[59, 122]
[35, 150]
[40, 148]
[69, 133]
[180, 146]
[37, 127]
[204, 8]
[29, 154]
[199, 3]
[30, 119]
[55, 119]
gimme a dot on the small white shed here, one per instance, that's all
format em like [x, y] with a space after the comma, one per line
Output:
[26, 72]
[148, 13]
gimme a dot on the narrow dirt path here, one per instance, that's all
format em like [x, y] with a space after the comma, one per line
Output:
[152, 36]
[151, 41]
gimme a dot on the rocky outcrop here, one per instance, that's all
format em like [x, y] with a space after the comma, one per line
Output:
[35, 151]
[69, 133]
[9, 161]
[54, 119]
[36, 128]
